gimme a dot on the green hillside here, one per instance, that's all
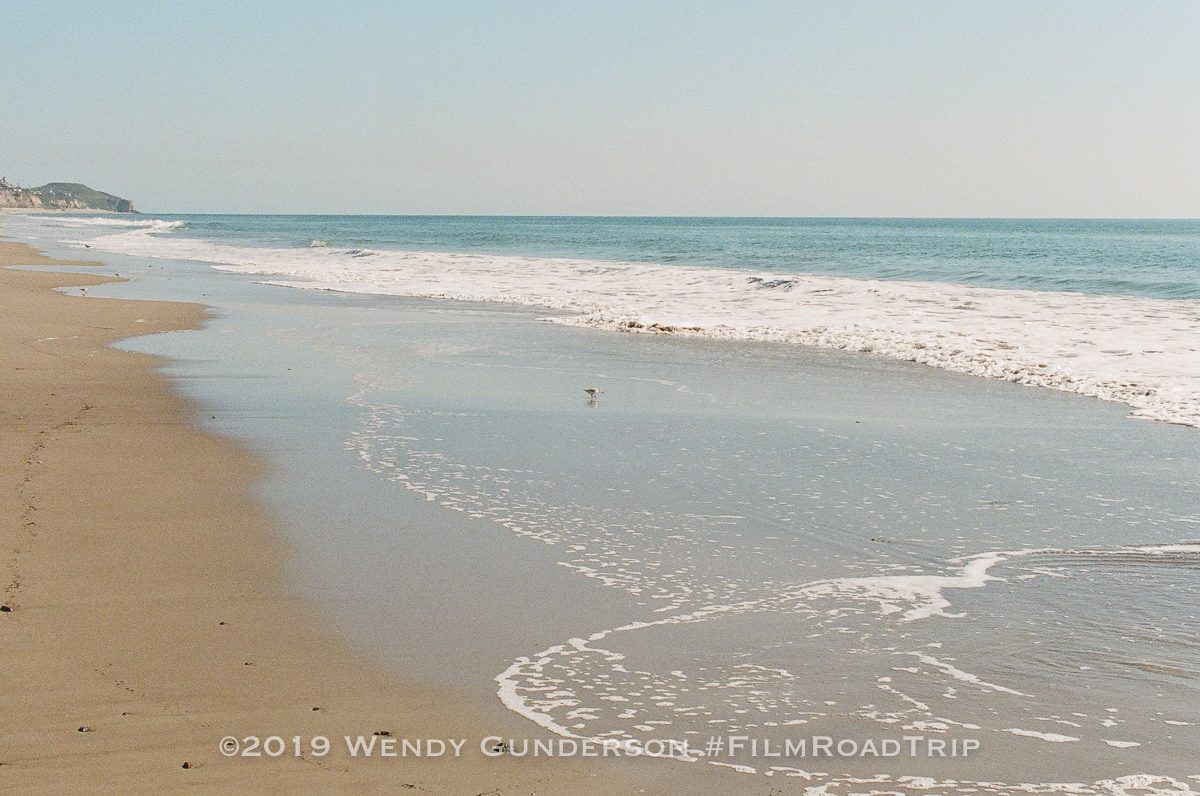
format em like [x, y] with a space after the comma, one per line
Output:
[88, 197]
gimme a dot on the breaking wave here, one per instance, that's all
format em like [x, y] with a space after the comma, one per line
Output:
[1138, 351]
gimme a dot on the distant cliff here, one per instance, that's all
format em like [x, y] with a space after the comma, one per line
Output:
[62, 196]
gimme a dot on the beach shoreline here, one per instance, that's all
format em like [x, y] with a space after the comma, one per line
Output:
[170, 588]
[89, 211]
[149, 616]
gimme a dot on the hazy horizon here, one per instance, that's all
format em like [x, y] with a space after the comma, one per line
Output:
[697, 216]
[1072, 110]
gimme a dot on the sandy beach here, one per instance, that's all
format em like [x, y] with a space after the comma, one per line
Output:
[146, 617]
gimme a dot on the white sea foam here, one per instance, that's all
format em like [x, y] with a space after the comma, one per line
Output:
[529, 688]
[1050, 737]
[1141, 352]
[522, 684]
[100, 222]
[959, 674]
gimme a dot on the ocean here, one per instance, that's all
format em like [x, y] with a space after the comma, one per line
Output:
[1147, 258]
[777, 522]
[1102, 308]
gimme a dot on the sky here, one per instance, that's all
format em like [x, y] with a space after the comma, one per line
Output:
[840, 108]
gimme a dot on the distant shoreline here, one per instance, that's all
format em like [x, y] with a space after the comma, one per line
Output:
[64, 212]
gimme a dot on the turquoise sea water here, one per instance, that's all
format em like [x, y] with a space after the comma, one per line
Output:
[1151, 258]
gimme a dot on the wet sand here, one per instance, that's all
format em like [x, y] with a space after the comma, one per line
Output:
[148, 615]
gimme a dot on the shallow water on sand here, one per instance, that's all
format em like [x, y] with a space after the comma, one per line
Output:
[735, 539]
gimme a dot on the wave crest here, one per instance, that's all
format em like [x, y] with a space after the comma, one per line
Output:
[1137, 351]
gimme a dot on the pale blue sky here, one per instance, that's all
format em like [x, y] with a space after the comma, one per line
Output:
[748, 108]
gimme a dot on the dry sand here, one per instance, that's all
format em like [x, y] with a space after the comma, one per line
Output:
[147, 602]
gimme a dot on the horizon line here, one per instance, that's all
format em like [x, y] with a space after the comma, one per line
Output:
[668, 216]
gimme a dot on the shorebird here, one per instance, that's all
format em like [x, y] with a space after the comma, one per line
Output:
[592, 392]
